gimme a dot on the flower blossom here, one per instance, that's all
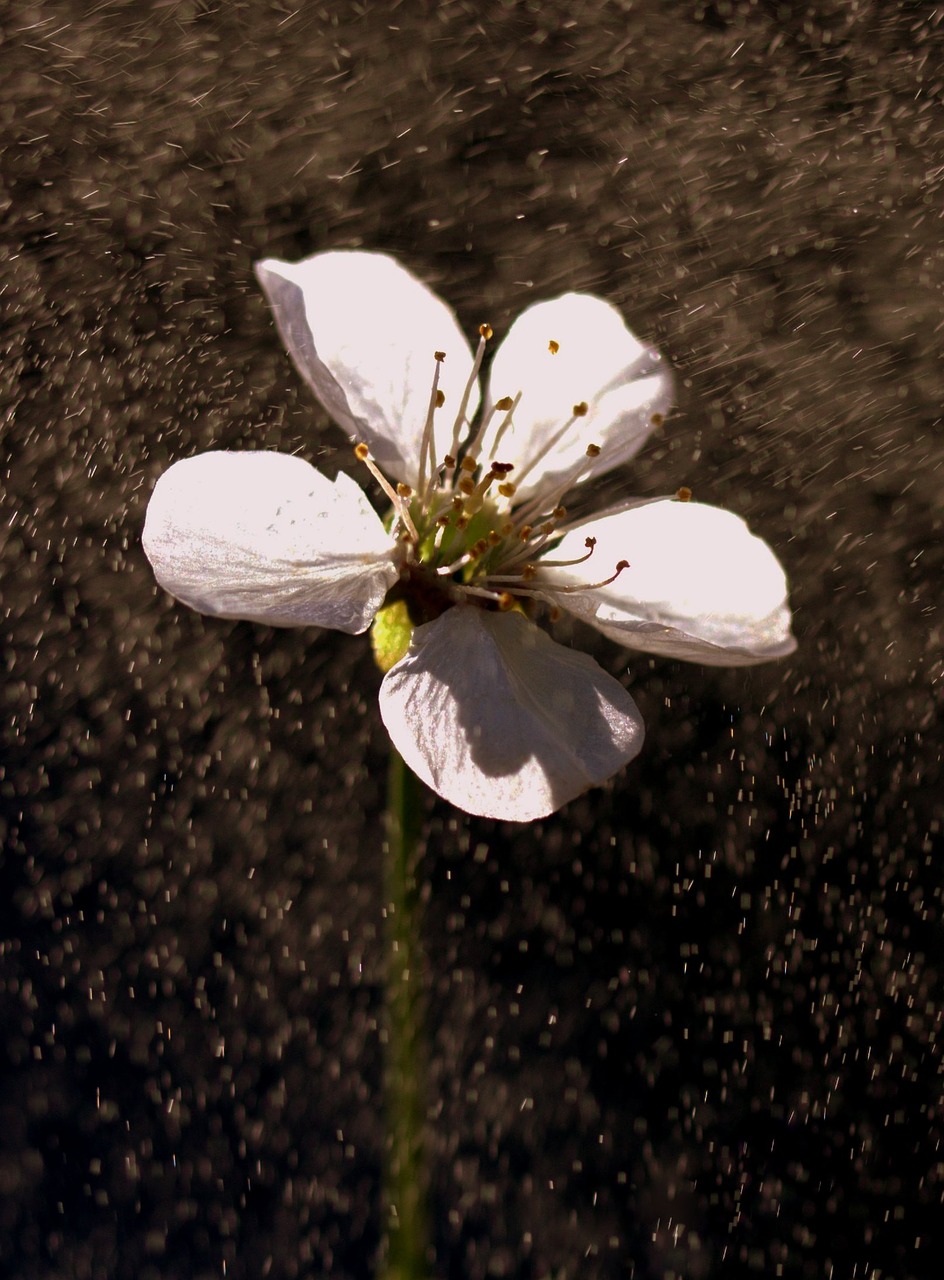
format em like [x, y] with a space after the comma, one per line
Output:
[482, 704]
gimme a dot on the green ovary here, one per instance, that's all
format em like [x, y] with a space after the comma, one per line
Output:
[390, 634]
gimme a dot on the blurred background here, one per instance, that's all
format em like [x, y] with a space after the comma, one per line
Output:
[691, 1025]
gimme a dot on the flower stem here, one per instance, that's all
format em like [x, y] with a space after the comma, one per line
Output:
[406, 1250]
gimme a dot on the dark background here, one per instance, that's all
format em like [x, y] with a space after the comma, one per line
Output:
[690, 1026]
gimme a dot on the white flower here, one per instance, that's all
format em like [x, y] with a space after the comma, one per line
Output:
[486, 708]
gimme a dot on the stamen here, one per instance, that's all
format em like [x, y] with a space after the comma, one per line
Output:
[684, 494]
[436, 401]
[589, 543]
[485, 333]
[509, 410]
[474, 552]
[531, 509]
[526, 573]
[553, 347]
[580, 411]
[505, 405]
[593, 586]
[400, 506]
[485, 594]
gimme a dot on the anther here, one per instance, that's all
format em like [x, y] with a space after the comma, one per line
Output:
[361, 452]
[485, 331]
[581, 410]
[469, 464]
[504, 404]
[657, 419]
[553, 347]
[440, 399]
[439, 355]
[593, 451]
[507, 490]
[467, 486]
[404, 490]
[684, 494]
[506, 601]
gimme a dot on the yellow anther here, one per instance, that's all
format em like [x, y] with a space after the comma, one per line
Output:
[684, 494]
[581, 410]
[553, 347]
[505, 403]
[485, 331]
[507, 528]
[404, 490]
[506, 601]
[440, 399]
[525, 532]
[466, 485]
[593, 451]
[361, 452]
[494, 539]
[507, 490]
[529, 571]
[469, 464]
[559, 512]
[449, 460]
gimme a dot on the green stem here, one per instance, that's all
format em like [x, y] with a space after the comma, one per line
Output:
[406, 1252]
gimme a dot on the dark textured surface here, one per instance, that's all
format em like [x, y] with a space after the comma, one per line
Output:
[690, 1027]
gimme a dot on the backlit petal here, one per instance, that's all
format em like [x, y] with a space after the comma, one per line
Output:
[699, 586]
[626, 386]
[266, 537]
[501, 721]
[363, 333]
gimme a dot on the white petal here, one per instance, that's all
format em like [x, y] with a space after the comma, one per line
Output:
[363, 333]
[501, 721]
[599, 362]
[699, 585]
[267, 538]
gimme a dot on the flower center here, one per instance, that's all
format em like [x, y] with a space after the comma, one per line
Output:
[462, 535]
